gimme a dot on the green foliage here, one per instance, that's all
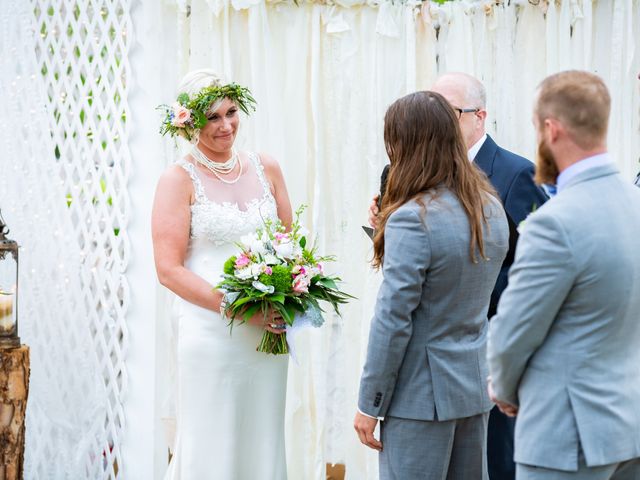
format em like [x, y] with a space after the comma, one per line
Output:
[199, 105]
[308, 256]
[280, 279]
[291, 280]
[241, 96]
[230, 265]
[183, 99]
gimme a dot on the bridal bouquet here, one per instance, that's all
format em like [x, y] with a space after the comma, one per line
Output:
[276, 270]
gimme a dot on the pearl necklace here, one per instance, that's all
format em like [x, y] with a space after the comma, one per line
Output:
[218, 168]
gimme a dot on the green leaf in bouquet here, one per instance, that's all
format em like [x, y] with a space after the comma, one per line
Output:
[251, 311]
[277, 297]
[336, 307]
[291, 313]
[309, 256]
[303, 242]
[286, 314]
[230, 265]
[313, 301]
[296, 303]
[242, 301]
[328, 283]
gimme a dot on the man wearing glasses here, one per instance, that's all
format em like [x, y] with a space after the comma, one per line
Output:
[512, 177]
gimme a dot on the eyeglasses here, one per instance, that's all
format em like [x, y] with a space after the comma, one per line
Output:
[465, 110]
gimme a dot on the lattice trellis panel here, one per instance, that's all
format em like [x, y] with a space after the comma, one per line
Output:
[82, 50]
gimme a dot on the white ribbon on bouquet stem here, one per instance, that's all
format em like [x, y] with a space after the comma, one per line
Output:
[311, 318]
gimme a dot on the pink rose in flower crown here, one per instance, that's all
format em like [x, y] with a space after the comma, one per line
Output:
[181, 115]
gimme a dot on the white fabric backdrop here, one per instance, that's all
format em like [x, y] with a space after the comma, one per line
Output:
[323, 76]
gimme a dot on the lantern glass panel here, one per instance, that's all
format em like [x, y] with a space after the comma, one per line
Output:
[8, 286]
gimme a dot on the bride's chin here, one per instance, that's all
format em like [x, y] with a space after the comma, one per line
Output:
[217, 146]
[224, 145]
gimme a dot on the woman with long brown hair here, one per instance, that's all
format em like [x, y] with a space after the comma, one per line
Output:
[441, 240]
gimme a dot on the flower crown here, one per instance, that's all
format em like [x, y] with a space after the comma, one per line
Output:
[188, 114]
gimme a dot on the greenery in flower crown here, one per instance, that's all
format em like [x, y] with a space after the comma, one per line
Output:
[189, 114]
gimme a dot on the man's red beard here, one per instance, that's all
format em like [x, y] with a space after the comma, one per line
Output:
[546, 169]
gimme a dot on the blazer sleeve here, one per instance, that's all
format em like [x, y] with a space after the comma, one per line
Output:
[523, 195]
[540, 279]
[406, 259]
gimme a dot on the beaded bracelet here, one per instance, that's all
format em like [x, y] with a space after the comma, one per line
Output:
[223, 307]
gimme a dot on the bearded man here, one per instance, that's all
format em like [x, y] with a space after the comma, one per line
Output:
[563, 348]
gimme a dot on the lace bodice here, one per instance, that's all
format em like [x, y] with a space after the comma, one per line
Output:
[225, 222]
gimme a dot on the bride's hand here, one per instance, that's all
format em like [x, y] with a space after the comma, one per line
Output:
[273, 321]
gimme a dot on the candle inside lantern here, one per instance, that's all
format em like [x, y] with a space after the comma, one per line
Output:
[6, 311]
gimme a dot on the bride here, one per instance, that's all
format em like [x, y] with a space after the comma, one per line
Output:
[230, 398]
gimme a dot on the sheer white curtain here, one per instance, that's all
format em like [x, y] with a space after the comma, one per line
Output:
[323, 76]
[297, 61]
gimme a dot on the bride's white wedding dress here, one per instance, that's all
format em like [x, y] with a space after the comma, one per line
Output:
[230, 399]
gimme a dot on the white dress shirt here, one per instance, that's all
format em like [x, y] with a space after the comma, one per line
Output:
[473, 151]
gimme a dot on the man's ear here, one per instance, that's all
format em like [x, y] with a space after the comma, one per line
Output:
[552, 130]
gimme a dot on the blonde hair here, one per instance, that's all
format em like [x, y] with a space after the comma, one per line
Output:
[196, 80]
[193, 82]
[580, 101]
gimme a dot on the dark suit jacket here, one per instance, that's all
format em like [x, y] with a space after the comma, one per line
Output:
[512, 177]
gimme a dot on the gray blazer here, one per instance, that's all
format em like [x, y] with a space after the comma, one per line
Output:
[565, 343]
[427, 344]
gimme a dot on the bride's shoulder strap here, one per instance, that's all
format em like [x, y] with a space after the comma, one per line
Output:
[255, 158]
[197, 184]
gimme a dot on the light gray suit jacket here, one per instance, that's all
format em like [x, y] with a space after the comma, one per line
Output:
[565, 343]
[426, 358]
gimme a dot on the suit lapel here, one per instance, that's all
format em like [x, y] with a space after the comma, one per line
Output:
[486, 156]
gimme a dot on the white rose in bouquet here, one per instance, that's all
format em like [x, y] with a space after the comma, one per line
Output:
[271, 259]
[244, 273]
[258, 247]
[248, 240]
[284, 249]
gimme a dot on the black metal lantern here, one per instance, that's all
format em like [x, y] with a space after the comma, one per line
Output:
[8, 289]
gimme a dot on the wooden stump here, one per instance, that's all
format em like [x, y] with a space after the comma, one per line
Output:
[14, 388]
[335, 471]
